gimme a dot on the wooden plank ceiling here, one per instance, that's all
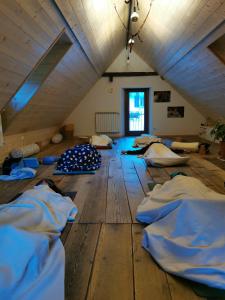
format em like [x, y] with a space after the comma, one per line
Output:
[176, 38]
[27, 29]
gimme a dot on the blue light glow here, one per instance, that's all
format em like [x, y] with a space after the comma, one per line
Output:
[23, 95]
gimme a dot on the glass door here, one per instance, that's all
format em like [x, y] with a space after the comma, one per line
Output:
[136, 111]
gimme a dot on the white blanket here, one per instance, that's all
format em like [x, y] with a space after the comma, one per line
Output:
[100, 140]
[146, 139]
[160, 155]
[186, 236]
[32, 255]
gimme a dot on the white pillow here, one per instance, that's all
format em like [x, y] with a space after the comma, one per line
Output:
[189, 147]
[57, 138]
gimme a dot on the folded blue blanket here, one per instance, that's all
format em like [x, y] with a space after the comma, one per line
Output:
[18, 174]
[30, 162]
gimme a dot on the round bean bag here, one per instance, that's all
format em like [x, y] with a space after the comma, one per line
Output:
[80, 158]
[57, 138]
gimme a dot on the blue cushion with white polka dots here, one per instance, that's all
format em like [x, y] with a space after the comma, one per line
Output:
[81, 157]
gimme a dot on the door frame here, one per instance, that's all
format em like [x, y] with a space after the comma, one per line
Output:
[126, 111]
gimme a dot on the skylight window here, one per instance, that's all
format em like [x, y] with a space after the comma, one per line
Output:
[36, 78]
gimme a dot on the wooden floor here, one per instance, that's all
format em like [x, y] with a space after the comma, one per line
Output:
[104, 257]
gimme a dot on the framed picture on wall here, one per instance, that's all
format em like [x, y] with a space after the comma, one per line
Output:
[175, 112]
[162, 96]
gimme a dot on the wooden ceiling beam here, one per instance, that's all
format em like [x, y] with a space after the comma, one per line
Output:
[127, 74]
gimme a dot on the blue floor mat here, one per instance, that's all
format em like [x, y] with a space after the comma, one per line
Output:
[58, 172]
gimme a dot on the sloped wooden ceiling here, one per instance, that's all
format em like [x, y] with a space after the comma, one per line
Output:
[27, 29]
[96, 25]
[176, 37]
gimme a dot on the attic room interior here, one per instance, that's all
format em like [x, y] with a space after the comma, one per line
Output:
[112, 149]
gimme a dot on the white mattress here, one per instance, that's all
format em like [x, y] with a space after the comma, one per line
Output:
[100, 140]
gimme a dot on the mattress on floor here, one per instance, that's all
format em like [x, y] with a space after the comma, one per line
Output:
[101, 140]
[186, 231]
[160, 155]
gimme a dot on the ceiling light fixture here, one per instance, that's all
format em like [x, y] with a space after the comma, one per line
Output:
[131, 41]
[133, 18]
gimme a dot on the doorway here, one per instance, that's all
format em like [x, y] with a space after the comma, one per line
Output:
[136, 111]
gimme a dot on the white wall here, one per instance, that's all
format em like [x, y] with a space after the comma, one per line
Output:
[108, 96]
[136, 63]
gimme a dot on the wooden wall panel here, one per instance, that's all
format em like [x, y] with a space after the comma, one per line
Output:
[27, 29]
[97, 27]
[200, 77]
[201, 82]
[175, 27]
[62, 91]
[26, 138]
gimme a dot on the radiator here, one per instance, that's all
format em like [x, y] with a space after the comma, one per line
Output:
[107, 122]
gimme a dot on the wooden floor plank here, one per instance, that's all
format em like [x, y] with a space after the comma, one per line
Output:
[81, 184]
[150, 281]
[9, 190]
[208, 173]
[112, 276]
[181, 290]
[213, 181]
[69, 225]
[143, 174]
[133, 186]
[94, 209]
[159, 175]
[80, 250]
[117, 210]
[185, 169]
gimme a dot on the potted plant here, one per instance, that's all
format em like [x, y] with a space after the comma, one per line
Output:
[218, 132]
